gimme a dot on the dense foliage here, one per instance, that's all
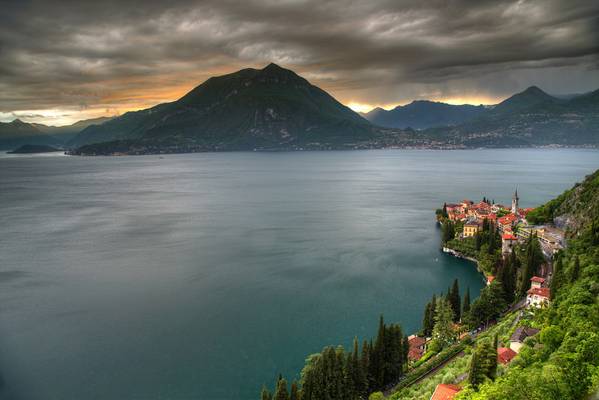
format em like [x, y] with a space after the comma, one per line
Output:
[336, 374]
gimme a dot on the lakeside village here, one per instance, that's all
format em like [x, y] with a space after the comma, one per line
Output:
[461, 345]
[496, 238]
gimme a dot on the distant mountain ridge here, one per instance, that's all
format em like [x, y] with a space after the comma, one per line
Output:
[18, 133]
[422, 114]
[530, 118]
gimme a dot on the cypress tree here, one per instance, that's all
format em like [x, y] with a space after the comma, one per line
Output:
[432, 313]
[475, 377]
[265, 395]
[365, 363]
[492, 372]
[426, 321]
[281, 392]
[559, 277]
[466, 303]
[575, 270]
[454, 300]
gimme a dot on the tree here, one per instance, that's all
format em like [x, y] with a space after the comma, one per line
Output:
[448, 231]
[476, 374]
[507, 277]
[281, 392]
[443, 333]
[559, 278]
[466, 302]
[454, 301]
[427, 321]
[575, 273]
[534, 259]
[265, 395]
[488, 306]
[295, 393]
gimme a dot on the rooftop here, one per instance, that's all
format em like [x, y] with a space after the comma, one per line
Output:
[445, 391]
[522, 332]
[537, 279]
[542, 292]
[505, 355]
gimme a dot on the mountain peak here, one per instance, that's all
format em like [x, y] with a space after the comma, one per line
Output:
[534, 90]
[17, 121]
[273, 67]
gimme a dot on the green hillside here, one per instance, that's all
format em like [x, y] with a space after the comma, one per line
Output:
[563, 361]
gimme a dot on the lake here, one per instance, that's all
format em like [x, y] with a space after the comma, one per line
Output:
[204, 276]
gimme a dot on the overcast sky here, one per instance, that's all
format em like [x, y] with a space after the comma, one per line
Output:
[61, 60]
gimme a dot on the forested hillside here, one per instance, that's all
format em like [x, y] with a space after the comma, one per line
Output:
[562, 362]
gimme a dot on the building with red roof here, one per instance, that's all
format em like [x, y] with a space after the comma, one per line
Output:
[505, 355]
[417, 347]
[508, 241]
[538, 295]
[445, 391]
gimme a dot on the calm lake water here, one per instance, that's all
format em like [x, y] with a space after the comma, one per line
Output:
[204, 276]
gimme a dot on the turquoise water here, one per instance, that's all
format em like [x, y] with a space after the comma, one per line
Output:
[203, 276]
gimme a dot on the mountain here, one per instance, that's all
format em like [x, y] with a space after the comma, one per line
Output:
[529, 118]
[424, 114]
[18, 133]
[269, 108]
[34, 148]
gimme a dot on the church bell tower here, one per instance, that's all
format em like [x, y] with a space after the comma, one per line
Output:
[515, 203]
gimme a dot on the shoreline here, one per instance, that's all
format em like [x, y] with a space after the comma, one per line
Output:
[457, 254]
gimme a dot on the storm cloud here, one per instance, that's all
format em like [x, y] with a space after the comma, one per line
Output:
[72, 59]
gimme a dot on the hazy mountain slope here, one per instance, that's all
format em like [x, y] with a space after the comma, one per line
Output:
[529, 118]
[424, 114]
[17, 133]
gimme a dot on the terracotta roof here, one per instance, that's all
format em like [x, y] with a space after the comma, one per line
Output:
[537, 279]
[543, 292]
[445, 391]
[508, 236]
[490, 278]
[522, 333]
[415, 354]
[507, 219]
[417, 341]
[505, 355]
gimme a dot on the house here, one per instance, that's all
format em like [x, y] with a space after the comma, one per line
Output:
[537, 295]
[417, 347]
[490, 279]
[519, 335]
[445, 391]
[506, 222]
[505, 355]
[508, 241]
[471, 228]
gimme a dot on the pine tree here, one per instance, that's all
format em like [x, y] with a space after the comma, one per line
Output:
[466, 303]
[281, 392]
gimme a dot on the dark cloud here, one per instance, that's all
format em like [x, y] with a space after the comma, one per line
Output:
[73, 55]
